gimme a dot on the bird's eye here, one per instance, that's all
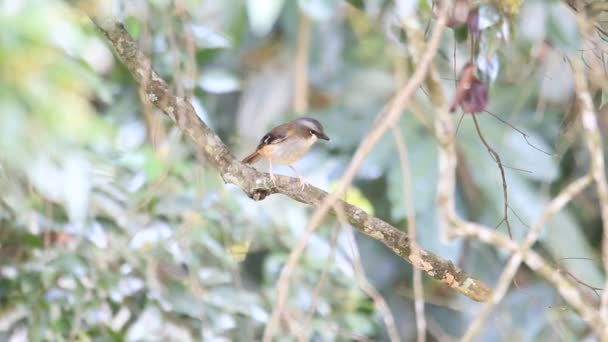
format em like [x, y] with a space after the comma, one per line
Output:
[312, 132]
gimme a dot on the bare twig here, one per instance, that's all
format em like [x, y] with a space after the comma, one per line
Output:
[594, 289]
[364, 284]
[534, 261]
[411, 229]
[505, 189]
[283, 283]
[303, 336]
[453, 226]
[593, 139]
[563, 198]
[294, 256]
[371, 291]
[522, 133]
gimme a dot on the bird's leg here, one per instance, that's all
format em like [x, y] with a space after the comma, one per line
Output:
[303, 182]
[274, 181]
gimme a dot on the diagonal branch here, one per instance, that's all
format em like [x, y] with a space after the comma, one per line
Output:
[258, 185]
[593, 138]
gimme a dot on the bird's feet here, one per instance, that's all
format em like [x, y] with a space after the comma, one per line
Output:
[273, 178]
[303, 183]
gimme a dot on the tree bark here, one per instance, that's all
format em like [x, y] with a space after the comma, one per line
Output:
[258, 185]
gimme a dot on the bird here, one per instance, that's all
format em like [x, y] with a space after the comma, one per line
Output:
[287, 143]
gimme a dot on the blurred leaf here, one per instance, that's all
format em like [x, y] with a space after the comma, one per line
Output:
[489, 66]
[462, 33]
[562, 27]
[522, 155]
[510, 6]
[422, 154]
[565, 238]
[319, 9]
[9, 316]
[219, 81]
[405, 8]
[488, 16]
[76, 188]
[239, 250]
[355, 197]
[68, 263]
[148, 324]
[151, 235]
[359, 324]
[604, 99]
[132, 26]
[209, 39]
[359, 4]
[110, 221]
[263, 14]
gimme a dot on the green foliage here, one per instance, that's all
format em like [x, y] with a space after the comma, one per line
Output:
[113, 228]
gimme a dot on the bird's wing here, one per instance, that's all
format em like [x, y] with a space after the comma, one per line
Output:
[273, 137]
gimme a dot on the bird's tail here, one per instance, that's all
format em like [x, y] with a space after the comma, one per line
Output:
[252, 158]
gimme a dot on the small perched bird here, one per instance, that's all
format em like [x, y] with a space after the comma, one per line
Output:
[288, 143]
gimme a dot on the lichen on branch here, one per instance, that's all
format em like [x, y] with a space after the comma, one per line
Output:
[258, 185]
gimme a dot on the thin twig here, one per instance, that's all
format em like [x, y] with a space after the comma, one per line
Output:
[411, 229]
[594, 289]
[563, 198]
[363, 282]
[459, 122]
[283, 282]
[303, 336]
[523, 134]
[593, 140]
[534, 261]
[505, 192]
[370, 290]
[452, 226]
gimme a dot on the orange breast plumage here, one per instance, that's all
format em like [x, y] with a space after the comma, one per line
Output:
[288, 151]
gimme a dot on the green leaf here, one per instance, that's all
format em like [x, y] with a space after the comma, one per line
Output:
[355, 197]
[461, 33]
[358, 4]
[133, 27]
[562, 28]
[359, 324]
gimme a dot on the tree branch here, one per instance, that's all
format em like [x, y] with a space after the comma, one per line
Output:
[258, 185]
[593, 138]
[453, 226]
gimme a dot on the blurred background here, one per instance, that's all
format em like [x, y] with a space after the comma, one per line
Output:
[113, 228]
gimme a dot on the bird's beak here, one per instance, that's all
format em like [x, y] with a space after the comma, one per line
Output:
[322, 135]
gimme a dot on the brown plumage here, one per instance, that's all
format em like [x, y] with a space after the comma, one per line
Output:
[252, 158]
[288, 143]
